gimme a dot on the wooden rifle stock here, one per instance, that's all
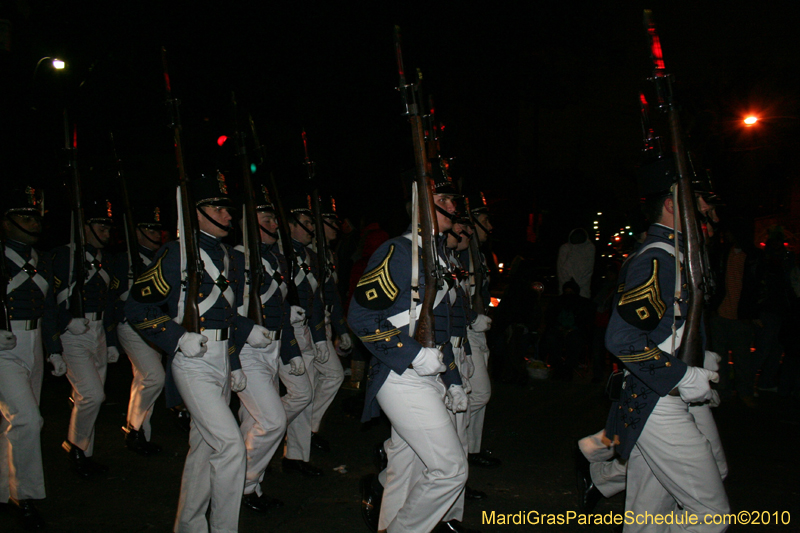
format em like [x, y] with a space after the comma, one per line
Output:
[252, 245]
[131, 241]
[425, 331]
[285, 239]
[477, 264]
[189, 230]
[5, 322]
[691, 349]
[78, 238]
[322, 242]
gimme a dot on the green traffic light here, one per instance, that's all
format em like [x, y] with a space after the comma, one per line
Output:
[253, 168]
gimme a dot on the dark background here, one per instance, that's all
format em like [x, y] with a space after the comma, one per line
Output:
[540, 103]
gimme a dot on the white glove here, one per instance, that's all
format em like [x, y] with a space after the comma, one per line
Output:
[112, 354]
[327, 317]
[695, 387]
[466, 384]
[321, 352]
[258, 337]
[345, 342]
[456, 399]
[468, 366]
[59, 366]
[297, 316]
[238, 380]
[298, 366]
[481, 323]
[715, 399]
[428, 362]
[78, 326]
[711, 361]
[8, 341]
[192, 344]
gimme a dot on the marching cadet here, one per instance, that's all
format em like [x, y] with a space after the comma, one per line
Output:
[202, 368]
[309, 324]
[148, 370]
[476, 333]
[671, 463]
[427, 467]
[330, 375]
[263, 419]
[87, 347]
[32, 316]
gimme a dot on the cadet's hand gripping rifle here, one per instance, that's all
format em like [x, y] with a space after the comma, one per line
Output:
[691, 349]
[428, 223]
[192, 264]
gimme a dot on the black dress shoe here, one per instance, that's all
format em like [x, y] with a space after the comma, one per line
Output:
[483, 460]
[454, 526]
[260, 504]
[296, 465]
[78, 461]
[28, 515]
[371, 494]
[588, 495]
[379, 457]
[135, 441]
[472, 494]
[319, 443]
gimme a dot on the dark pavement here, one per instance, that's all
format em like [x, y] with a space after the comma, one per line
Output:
[532, 429]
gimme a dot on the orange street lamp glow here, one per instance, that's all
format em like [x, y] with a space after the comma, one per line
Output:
[750, 120]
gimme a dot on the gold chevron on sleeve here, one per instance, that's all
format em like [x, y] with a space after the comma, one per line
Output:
[154, 275]
[385, 335]
[153, 323]
[380, 274]
[652, 353]
[649, 291]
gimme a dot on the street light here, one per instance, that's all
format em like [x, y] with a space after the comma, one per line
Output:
[749, 121]
[58, 64]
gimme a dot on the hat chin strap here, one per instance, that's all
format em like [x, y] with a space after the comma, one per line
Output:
[23, 230]
[268, 232]
[451, 216]
[454, 234]
[486, 231]
[217, 224]
[155, 243]
[297, 221]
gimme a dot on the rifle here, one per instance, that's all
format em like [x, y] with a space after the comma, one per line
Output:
[477, 264]
[252, 233]
[191, 264]
[285, 240]
[322, 242]
[425, 332]
[5, 323]
[691, 349]
[78, 250]
[131, 242]
[431, 128]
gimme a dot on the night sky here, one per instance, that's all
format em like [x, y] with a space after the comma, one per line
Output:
[540, 104]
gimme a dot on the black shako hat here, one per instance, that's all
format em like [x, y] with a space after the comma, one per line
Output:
[211, 189]
[656, 178]
[147, 215]
[443, 183]
[263, 201]
[98, 211]
[476, 203]
[23, 200]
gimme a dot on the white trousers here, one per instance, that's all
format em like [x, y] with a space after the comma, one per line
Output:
[215, 466]
[148, 377]
[21, 475]
[481, 389]
[609, 476]
[460, 422]
[298, 398]
[263, 419]
[427, 468]
[327, 380]
[86, 358]
[672, 469]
